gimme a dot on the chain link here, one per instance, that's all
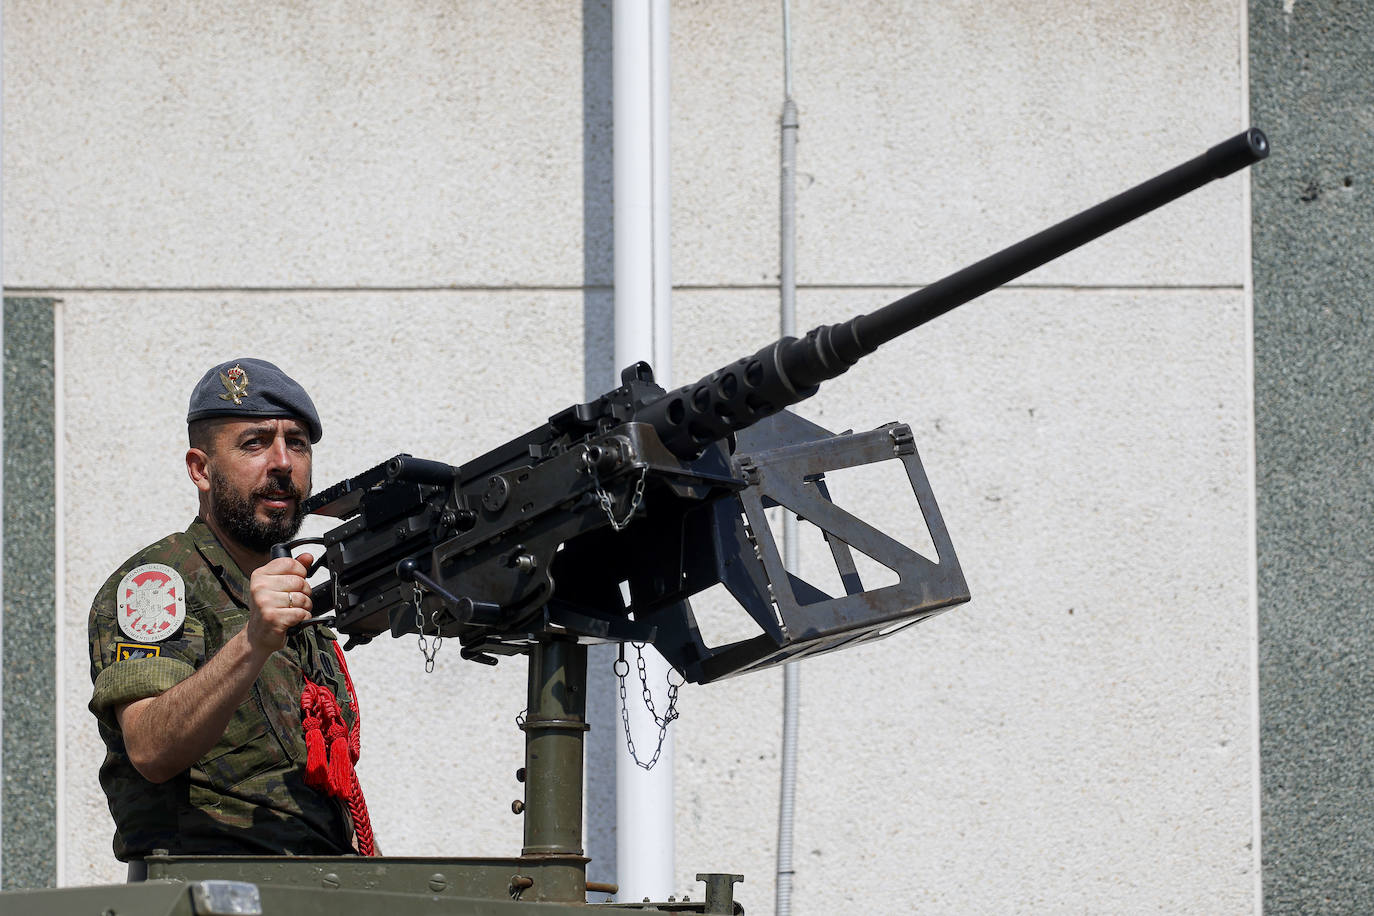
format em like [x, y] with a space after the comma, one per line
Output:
[605, 498]
[621, 669]
[426, 649]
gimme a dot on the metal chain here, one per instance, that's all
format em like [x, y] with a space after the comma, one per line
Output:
[622, 668]
[426, 649]
[605, 498]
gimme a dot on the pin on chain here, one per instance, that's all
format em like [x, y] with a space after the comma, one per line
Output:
[605, 498]
[622, 668]
[427, 649]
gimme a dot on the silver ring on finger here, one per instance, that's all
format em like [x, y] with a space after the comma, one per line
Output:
[291, 599]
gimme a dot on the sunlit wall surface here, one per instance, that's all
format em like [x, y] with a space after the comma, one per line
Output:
[407, 206]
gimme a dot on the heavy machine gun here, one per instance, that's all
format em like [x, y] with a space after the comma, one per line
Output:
[600, 524]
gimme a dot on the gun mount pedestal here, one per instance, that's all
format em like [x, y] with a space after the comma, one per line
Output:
[555, 725]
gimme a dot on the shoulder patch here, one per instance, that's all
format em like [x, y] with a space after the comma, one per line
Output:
[151, 603]
[124, 651]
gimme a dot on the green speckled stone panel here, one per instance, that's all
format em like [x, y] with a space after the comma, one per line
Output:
[29, 812]
[1312, 91]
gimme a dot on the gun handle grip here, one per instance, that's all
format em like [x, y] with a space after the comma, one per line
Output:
[280, 550]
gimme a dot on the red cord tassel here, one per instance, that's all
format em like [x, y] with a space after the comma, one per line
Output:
[316, 773]
[341, 775]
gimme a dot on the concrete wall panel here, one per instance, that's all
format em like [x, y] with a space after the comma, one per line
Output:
[933, 134]
[279, 144]
[1078, 737]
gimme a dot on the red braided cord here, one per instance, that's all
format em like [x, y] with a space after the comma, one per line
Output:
[333, 772]
[362, 821]
[357, 804]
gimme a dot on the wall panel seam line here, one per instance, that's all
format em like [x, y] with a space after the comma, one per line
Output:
[1248, 269]
[681, 287]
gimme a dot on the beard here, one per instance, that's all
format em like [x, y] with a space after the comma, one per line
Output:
[237, 515]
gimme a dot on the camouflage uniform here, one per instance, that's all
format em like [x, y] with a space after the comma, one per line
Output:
[248, 794]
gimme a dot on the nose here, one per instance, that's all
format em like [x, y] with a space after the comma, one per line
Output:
[279, 455]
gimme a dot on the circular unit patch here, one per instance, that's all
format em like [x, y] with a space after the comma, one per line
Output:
[152, 603]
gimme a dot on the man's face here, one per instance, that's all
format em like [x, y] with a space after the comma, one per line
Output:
[259, 473]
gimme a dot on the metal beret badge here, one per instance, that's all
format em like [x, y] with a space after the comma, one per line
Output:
[235, 383]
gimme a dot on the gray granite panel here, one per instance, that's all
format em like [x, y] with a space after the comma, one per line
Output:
[1312, 91]
[29, 811]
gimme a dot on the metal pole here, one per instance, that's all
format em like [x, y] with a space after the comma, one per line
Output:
[644, 798]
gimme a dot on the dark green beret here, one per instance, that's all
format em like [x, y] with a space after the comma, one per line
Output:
[252, 388]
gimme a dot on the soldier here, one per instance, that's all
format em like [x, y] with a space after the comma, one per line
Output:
[225, 732]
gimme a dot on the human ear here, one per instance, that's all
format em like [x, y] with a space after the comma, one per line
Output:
[198, 469]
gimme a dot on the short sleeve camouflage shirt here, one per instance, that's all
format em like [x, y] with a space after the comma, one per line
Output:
[246, 796]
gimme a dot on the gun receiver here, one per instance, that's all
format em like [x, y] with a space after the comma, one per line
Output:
[602, 523]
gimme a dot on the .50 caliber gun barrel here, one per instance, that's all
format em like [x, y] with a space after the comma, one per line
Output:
[789, 370]
[954, 290]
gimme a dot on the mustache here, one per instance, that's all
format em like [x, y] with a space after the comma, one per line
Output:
[283, 488]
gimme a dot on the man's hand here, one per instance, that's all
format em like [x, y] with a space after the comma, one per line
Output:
[279, 596]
